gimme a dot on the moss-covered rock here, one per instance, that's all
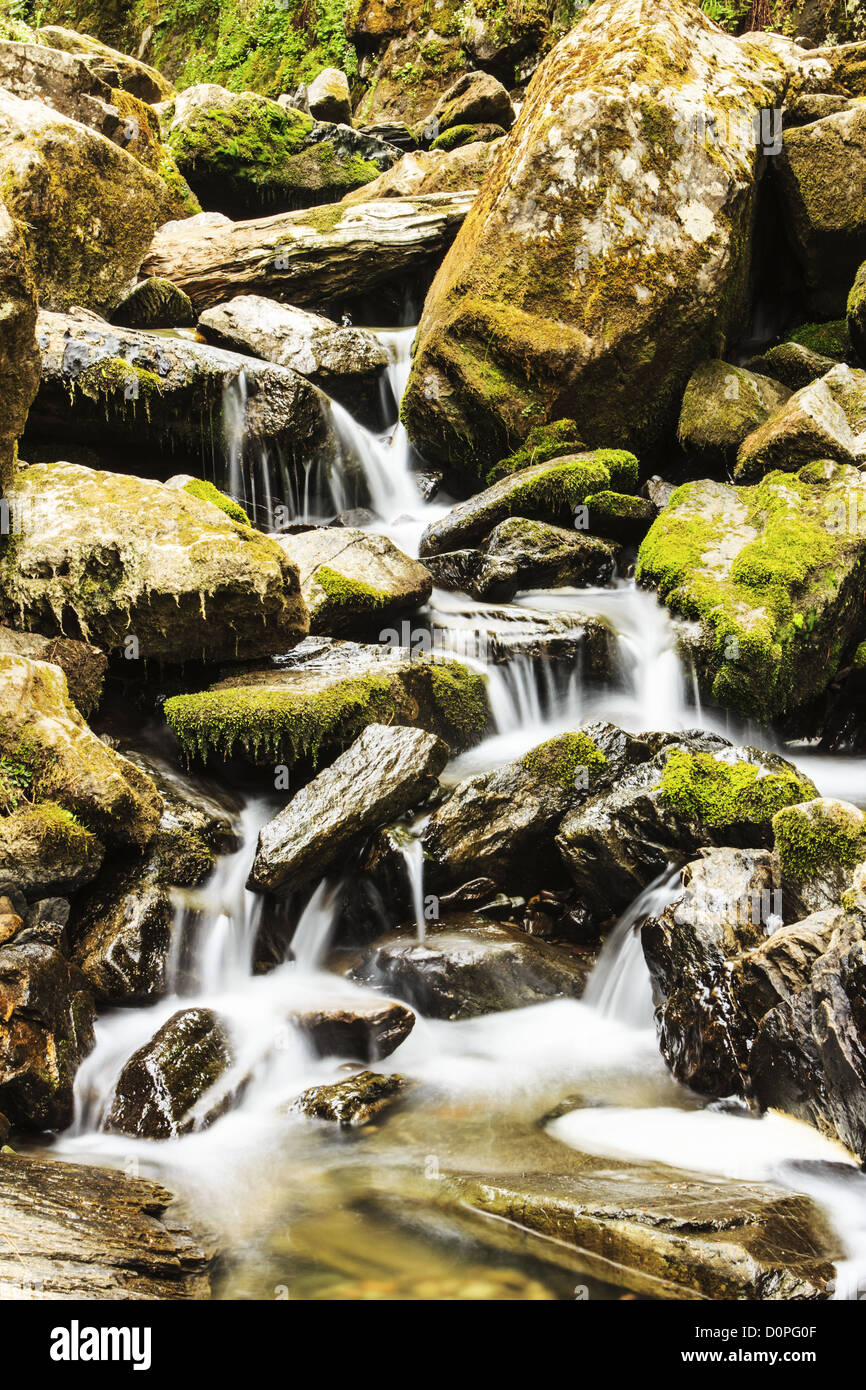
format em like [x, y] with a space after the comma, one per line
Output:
[543, 442]
[792, 364]
[475, 98]
[458, 135]
[49, 755]
[46, 850]
[821, 421]
[322, 699]
[819, 844]
[328, 96]
[87, 208]
[825, 339]
[245, 155]
[608, 250]
[431, 171]
[82, 664]
[145, 570]
[522, 554]
[19, 354]
[355, 583]
[619, 516]
[206, 492]
[135, 77]
[543, 492]
[721, 406]
[856, 312]
[773, 574]
[155, 303]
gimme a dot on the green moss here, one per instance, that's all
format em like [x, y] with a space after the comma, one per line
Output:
[699, 786]
[58, 831]
[557, 761]
[199, 487]
[457, 135]
[827, 339]
[352, 593]
[119, 382]
[460, 696]
[543, 442]
[823, 836]
[561, 487]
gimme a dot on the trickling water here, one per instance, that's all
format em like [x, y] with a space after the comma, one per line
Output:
[619, 986]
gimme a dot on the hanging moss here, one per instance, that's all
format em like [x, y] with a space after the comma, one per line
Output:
[699, 786]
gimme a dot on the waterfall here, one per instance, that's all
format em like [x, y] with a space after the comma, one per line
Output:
[619, 986]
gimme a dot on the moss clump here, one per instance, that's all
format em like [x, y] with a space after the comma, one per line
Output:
[827, 339]
[560, 488]
[558, 761]
[543, 442]
[460, 696]
[206, 492]
[699, 786]
[819, 835]
[350, 593]
[53, 829]
[118, 383]
[620, 516]
[457, 135]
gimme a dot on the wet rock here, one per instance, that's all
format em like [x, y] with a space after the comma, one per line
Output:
[46, 1030]
[112, 557]
[773, 626]
[472, 967]
[431, 171]
[86, 238]
[721, 406]
[475, 97]
[79, 1232]
[19, 354]
[355, 581]
[63, 763]
[549, 330]
[108, 386]
[154, 303]
[308, 258]
[358, 1100]
[812, 424]
[695, 792]
[346, 363]
[44, 850]
[163, 1090]
[620, 517]
[133, 76]
[522, 554]
[361, 1030]
[457, 135]
[10, 922]
[455, 569]
[247, 156]
[328, 96]
[322, 696]
[501, 824]
[820, 174]
[820, 843]
[82, 664]
[384, 773]
[550, 492]
[45, 925]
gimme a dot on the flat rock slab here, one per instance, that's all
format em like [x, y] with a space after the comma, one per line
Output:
[71, 1231]
[309, 257]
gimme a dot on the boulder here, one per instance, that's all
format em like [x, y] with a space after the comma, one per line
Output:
[819, 844]
[314, 257]
[359, 1029]
[154, 304]
[472, 967]
[322, 696]
[820, 175]
[772, 575]
[550, 492]
[19, 354]
[57, 759]
[792, 364]
[694, 792]
[431, 171]
[474, 98]
[721, 406]
[44, 849]
[82, 664]
[606, 167]
[105, 386]
[133, 76]
[501, 824]
[248, 156]
[856, 313]
[88, 209]
[328, 96]
[811, 424]
[384, 773]
[619, 516]
[354, 581]
[358, 1100]
[123, 560]
[522, 554]
[346, 363]
[457, 135]
[66, 82]
[77, 1232]
[46, 1030]
[164, 1088]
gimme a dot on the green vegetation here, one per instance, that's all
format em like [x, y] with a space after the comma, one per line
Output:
[350, 593]
[700, 786]
[559, 760]
[206, 492]
[819, 835]
[543, 442]
[827, 339]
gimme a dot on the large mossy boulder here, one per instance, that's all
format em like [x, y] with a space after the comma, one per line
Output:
[824, 420]
[355, 583]
[475, 97]
[312, 258]
[44, 849]
[551, 492]
[133, 76]
[608, 250]
[146, 570]
[322, 696]
[774, 576]
[88, 209]
[246, 155]
[19, 354]
[49, 755]
[721, 406]
[104, 386]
